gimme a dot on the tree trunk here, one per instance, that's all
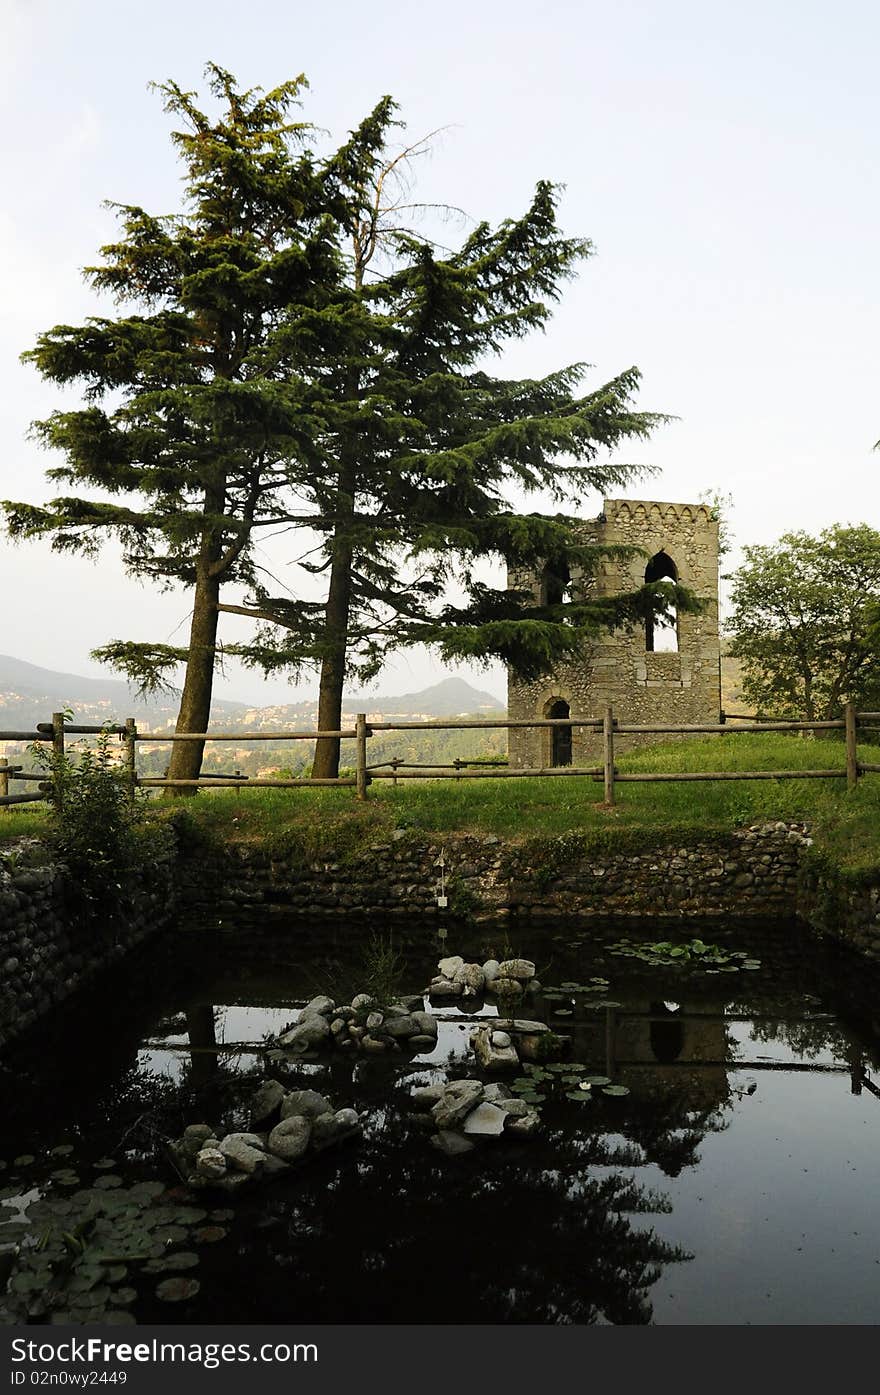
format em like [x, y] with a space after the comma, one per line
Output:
[195, 701]
[326, 762]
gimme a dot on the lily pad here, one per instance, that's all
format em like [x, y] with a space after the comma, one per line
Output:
[23, 1160]
[597, 1080]
[104, 1164]
[223, 1213]
[65, 1177]
[177, 1290]
[617, 1090]
[61, 1150]
[209, 1234]
[578, 1096]
[108, 1181]
[183, 1259]
[191, 1215]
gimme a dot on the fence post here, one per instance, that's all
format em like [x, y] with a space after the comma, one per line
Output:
[608, 751]
[130, 739]
[852, 763]
[58, 754]
[4, 783]
[360, 736]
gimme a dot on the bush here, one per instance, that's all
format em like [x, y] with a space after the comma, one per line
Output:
[94, 827]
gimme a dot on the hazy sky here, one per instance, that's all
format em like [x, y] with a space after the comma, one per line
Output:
[723, 160]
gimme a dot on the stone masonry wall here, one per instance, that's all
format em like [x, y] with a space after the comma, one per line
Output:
[752, 873]
[44, 957]
[641, 686]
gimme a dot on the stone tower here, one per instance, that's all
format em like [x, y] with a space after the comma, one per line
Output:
[648, 674]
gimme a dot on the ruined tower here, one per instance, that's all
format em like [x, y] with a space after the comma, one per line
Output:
[652, 673]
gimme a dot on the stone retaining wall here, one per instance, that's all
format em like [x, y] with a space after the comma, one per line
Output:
[45, 955]
[752, 873]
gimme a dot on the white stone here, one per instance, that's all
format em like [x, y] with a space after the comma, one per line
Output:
[485, 1119]
[447, 968]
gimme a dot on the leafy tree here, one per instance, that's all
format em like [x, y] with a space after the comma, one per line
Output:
[802, 622]
[296, 357]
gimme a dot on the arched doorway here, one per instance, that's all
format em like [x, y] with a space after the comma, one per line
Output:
[661, 636]
[560, 737]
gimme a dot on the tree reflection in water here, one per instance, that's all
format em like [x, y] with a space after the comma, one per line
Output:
[535, 1232]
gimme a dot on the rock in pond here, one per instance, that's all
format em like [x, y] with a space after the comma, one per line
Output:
[520, 969]
[290, 1139]
[486, 1119]
[308, 1103]
[333, 1128]
[210, 1164]
[243, 1151]
[265, 1101]
[458, 1099]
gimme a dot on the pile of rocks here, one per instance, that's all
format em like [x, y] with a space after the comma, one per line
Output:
[462, 1111]
[306, 1121]
[361, 1025]
[511, 979]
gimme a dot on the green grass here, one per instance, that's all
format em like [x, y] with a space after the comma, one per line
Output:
[328, 822]
[28, 820]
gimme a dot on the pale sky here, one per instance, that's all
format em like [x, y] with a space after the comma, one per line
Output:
[722, 159]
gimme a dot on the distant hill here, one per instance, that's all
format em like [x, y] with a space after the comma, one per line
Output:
[29, 693]
[449, 698]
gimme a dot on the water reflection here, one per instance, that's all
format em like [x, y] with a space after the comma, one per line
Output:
[576, 1225]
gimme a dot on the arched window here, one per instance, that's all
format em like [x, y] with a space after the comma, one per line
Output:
[555, 581]
[661, 636]
[560, 737]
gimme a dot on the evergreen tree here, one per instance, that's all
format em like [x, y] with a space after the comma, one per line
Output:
[297, 357]
[197, 412]
[423, 446]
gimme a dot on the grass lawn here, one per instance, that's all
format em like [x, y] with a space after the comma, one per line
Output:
[318, 820]
[332, 821]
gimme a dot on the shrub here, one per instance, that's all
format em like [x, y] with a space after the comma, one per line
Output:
[94, 828]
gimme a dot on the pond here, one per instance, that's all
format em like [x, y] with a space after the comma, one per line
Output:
[733, 1179]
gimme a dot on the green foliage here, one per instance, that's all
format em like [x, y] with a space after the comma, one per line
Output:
[533, 814]
[694, 954]
[804, 622]
[382, 970]
[94, 828]
[289, 355]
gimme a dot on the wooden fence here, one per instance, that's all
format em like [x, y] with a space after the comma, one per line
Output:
[56, 732]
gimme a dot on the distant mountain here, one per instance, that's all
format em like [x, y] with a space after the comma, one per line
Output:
[29, 693]
[449, 698]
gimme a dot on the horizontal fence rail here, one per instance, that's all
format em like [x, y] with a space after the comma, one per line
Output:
[461, 768]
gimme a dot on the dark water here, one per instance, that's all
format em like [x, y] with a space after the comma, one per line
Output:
[736, 1183]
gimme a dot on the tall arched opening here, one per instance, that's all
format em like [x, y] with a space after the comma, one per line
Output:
[661, 636]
